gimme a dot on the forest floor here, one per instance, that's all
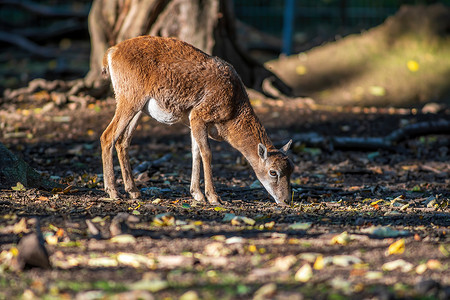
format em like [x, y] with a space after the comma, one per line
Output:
[362, 224]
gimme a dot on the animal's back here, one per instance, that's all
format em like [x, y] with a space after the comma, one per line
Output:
[174, 73]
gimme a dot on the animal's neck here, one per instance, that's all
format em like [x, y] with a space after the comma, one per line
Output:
[246, 133]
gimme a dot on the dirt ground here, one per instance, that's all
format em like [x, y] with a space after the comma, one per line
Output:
[362, 224]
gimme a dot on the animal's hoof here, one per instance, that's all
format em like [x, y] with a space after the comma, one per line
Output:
[113, 194]
[198, 196]
[214, 200]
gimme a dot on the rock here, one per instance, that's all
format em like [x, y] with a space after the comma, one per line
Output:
[32, 253]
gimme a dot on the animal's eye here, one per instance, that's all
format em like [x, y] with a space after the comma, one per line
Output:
[272, 173]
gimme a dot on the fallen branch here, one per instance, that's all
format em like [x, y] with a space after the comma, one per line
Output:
[374, 143]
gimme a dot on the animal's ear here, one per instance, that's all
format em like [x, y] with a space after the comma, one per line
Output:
[262, 151]
[286, 147]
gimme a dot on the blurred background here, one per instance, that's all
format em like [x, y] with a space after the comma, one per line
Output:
[50, 39]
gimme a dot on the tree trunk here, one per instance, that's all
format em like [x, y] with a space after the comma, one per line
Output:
[207, 24]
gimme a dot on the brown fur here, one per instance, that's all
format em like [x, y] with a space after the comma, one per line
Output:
[190, 86]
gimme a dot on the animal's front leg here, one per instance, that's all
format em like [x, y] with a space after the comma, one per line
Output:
[195, 177]
[200, 134]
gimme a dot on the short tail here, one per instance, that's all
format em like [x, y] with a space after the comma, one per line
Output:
[105, 65]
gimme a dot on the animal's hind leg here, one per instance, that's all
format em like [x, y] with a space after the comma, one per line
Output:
[122, 147]
[200, 134]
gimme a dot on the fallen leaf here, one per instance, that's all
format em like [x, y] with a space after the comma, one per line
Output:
[189, 295]
[420, 269]
[341, 239]
[444, 250]
[234, 240]
[346, 260]
[252, 248]
[309, 256]
[385, 232]
[216, 249]
[300, 226]
[269, 225]
[174, 261]
[153, 286]
[413, 65]
[304, 274]
[265, 292]
[134, 260]
[18, 187]
[103, 262]
[123, 239]
[373, 275]
[374, 203]
[319, 264]
[397, 247]
[401, 264]
[434, 264]
[164, 219]
[284, 263]
[241, 220]
[51, 239]
[20, 227]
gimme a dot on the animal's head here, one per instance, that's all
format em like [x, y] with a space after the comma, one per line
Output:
[274, 172]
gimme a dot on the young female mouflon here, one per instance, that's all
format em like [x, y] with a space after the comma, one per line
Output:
[173, 81]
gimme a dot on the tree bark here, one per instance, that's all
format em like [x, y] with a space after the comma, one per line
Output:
[207, 24]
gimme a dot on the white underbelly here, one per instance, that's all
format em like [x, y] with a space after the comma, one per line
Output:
[156, 112]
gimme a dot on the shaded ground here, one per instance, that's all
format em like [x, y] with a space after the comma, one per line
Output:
[331, 244]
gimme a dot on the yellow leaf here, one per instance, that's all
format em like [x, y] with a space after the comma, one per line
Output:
[397, 247]
[256, 102]
[413, 65]
[319, 263]
[301, 70]
[252, 248]
[341, 239]
[374, 203]
[14, 251]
